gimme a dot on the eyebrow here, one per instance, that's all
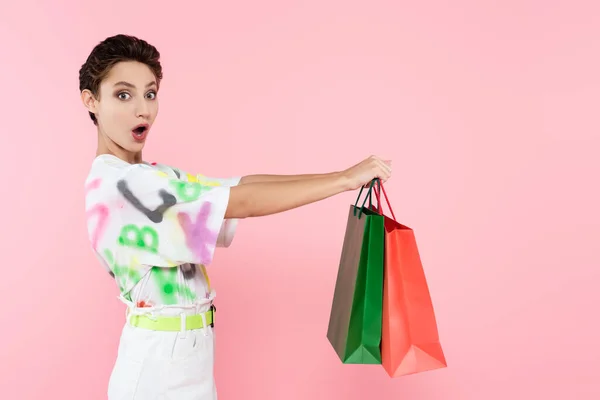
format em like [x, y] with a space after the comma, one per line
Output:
[129, 85]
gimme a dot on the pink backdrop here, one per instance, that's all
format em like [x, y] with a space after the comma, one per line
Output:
[489, 112]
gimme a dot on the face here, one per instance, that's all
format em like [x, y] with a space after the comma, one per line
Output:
[125, 107]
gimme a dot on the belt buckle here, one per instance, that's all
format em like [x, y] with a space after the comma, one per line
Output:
[213, 309]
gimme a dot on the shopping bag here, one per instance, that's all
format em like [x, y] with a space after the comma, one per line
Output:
[355, 320]
[410, 341]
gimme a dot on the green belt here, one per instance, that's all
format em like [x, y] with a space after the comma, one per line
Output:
[174, 323]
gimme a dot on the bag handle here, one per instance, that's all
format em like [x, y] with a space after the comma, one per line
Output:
[378, 196]
[371, 203]
[368, 196]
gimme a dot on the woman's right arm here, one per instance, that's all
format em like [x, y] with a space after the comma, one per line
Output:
[266, 198]
[166, 222]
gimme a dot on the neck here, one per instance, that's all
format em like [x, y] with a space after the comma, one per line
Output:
[107, 146]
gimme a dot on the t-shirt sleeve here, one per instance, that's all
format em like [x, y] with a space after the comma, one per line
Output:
[166, 221]
[229, 226]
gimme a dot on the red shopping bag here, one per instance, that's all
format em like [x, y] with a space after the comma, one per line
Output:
[410, 342]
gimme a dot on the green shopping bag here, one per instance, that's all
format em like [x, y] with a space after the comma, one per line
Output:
[356, 312]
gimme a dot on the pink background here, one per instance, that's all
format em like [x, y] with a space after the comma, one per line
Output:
[488, 111]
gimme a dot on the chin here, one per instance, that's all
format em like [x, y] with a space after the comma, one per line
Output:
[136, 148]
[133, 147]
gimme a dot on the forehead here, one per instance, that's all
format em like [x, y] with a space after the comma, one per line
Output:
[134, 72]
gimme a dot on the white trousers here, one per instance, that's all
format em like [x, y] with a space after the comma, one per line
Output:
[156, 365]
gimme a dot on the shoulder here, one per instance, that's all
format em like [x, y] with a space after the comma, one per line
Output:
[169, 170]
[109, 167]
[104, 174]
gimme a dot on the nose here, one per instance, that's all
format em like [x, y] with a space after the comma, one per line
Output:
[142, 109]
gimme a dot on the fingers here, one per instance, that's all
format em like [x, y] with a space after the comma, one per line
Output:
[386, 166]
[386, 170]
[380, 168]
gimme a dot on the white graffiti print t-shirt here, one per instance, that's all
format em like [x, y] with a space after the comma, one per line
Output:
[154, 228]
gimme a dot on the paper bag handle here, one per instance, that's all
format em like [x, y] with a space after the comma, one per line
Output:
[378, 196]
[368, 196]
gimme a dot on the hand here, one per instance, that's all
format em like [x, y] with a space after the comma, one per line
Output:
[364, 172]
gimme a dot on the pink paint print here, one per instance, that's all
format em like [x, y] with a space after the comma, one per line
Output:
[102, 212]
[95, 184]
[197, 233]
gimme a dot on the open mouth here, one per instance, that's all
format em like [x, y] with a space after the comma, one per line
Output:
[140, 131]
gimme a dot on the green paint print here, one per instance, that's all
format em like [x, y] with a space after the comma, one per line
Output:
[187, 191]
[123, 274]
[166, 280]
[144, 238]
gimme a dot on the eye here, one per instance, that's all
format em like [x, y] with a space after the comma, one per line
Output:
[123, 96]
[151, 95]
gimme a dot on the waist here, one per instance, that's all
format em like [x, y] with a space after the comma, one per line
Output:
[171, 317]
[183, 322]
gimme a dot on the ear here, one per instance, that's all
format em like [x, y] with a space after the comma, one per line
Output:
[89, 101]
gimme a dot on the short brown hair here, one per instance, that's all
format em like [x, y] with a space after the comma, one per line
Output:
[111, 51]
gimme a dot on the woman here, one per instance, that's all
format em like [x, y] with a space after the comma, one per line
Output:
[155, 227]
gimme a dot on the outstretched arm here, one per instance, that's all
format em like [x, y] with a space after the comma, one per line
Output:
[257, 199]
[261, 178]
[265, 198]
